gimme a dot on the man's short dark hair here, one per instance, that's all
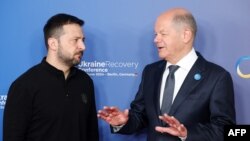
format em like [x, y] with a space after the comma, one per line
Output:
[53, 27]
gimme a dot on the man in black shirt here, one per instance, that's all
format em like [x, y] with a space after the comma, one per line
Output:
[54, 101]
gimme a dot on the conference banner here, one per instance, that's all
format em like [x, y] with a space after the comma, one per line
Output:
[120, 43]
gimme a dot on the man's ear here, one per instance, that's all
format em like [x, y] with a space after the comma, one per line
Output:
[187, 35]
[53, 43]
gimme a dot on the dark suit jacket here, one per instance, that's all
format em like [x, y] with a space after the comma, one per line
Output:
[204, 106]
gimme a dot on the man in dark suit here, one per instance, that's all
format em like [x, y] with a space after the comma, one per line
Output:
[202, 101]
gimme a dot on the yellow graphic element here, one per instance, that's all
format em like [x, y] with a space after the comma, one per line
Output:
[243, 58]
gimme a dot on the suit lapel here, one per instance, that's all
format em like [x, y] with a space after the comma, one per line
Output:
[189, 83]
[157, 82]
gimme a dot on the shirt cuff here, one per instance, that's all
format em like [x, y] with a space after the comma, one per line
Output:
[183, 138]
[117, 128]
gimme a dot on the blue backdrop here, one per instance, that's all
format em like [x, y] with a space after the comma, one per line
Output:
[119, 40]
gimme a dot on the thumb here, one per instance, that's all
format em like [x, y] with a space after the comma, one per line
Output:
[126, 112]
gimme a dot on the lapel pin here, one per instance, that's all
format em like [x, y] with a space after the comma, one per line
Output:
[197, 76]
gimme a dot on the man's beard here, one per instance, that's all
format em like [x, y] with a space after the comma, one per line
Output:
[67, 60]
[77, 61]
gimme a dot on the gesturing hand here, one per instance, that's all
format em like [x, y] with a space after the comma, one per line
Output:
[113, 116]
[175, 127]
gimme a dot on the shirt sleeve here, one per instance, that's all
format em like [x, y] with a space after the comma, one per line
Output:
[17, 112]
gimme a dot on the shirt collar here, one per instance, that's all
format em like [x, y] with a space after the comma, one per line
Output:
[187, 61]
[56, 71]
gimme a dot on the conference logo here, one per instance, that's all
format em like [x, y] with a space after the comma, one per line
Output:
[240, 67]
[2, 101]
[110, 68]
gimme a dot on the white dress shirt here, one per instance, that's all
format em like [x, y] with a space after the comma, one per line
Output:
[185, 65]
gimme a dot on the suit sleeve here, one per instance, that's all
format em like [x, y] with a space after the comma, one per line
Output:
[137, 118]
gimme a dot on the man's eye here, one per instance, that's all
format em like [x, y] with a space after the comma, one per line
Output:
[164, 34]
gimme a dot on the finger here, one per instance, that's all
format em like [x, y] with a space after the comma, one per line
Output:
[111, 109]
[114, 109]
[171, 131]
[166, 118]
[102, 117]
[175, 121]
[106, 108]
[168, 130]
[159, 129]
[163, 119]
[126, 112]
[172, 121]
[102, 113]
[182, 128]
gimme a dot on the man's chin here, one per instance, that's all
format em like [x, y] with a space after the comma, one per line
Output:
[76, 62]
[161, 56]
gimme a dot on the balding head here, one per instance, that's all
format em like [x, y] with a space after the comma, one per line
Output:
[180, 17]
